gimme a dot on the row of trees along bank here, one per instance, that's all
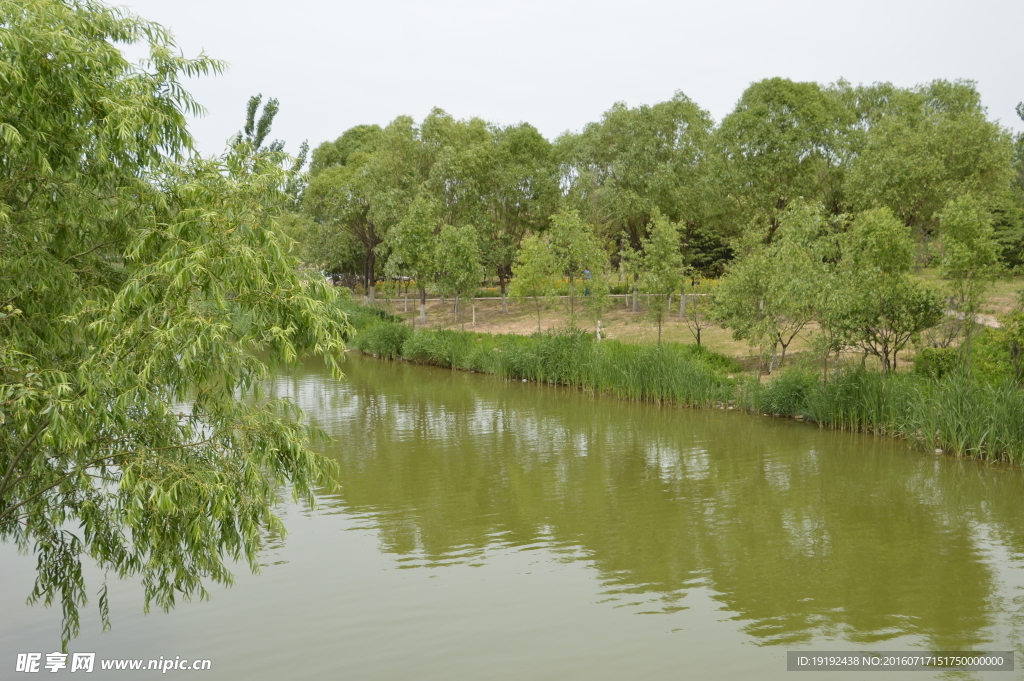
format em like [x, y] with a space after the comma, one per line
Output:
[448, 202]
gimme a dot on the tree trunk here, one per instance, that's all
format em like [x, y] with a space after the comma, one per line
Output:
[784, 347]
[698, 335]
[1018, 366]
[682, 306]
[504, 297]
[369, 265]
[967, 347]
[572, 302]
[474, 313]
[423, 304]
[598, 329]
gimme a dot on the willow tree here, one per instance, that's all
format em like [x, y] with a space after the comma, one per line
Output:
[345, 236]
[411, 247]
[457, 259]
[502, 181]
[970, 260]
[782, 142]
[926, 146]
[361, 187]
[133, 283]
[522, 196]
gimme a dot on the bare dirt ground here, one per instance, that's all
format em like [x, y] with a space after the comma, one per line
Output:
[619, 323]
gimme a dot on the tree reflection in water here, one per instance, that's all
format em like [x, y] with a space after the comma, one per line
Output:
[800, 533]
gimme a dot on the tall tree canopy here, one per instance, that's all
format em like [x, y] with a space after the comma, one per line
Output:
[360, 188]
[843, 148]
[135, 287]
[925, 146]
[635, 162]
[502, 182]
[783, 142]
[522, 196]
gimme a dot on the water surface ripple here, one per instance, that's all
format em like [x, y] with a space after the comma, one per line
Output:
[490, 530]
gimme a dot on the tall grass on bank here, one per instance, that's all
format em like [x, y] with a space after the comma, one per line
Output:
[952, 413]
[678, 374]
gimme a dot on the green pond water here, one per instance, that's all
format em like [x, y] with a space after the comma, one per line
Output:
[484, 529]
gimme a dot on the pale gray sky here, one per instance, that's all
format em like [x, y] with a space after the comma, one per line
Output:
[559, 64]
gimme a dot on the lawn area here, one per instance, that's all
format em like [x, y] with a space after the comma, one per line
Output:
[618, 323]
[1002, 296]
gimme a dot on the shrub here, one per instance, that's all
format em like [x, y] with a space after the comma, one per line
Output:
[990, 356]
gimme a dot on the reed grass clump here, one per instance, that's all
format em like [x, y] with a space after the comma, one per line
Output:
[438, 348]
[671, 373]
[954, 413]
[790, 394]
[678, 374]
[383, 339]
[362, 317]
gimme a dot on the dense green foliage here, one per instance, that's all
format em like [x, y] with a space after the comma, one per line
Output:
[812, 204]
[843, 148]
[137, 289]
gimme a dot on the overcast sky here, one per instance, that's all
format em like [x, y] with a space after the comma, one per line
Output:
[559, 64]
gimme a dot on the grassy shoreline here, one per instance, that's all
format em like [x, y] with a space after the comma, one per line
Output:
[954, 414]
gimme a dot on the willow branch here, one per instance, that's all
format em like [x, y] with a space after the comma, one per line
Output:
[18, 456]
[89, 464]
